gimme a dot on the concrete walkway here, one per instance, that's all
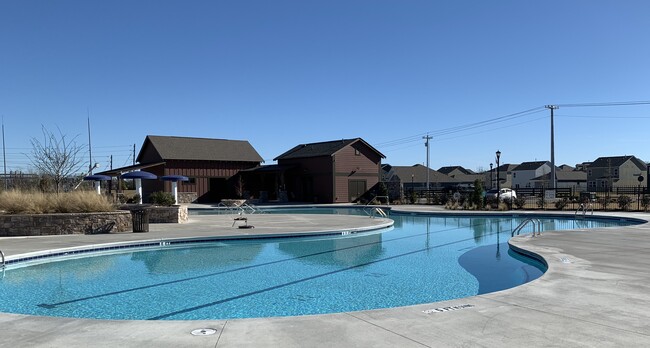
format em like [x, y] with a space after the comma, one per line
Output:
[596, 293]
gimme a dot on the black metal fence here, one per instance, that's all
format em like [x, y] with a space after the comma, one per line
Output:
[628, 198]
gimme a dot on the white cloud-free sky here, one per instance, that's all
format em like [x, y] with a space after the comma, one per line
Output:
[281, 73]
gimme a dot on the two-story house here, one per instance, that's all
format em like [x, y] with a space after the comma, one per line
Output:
[523, 174]
[606, 173]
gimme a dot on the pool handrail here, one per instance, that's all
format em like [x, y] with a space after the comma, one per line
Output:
[584, 207]
[537, 225]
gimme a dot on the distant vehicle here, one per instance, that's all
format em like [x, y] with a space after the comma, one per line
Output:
[502, 194]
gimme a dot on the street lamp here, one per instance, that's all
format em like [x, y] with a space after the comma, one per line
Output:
[491, 180]
[412, 185]
[498, 183]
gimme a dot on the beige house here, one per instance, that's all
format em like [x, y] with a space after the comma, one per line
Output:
[612, 172]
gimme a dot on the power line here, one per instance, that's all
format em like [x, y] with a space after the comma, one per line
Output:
[609, 117]
[626, 103]
[461, 128]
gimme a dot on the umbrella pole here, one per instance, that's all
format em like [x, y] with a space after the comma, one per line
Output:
[138, 187]
[175, 190]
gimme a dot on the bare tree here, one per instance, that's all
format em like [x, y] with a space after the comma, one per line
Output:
[56, 157]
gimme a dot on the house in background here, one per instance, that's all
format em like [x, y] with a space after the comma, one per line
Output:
[338, 171]
[402, 180]
[566, 177]
[453, 171]
[523, 174]
[606, 173]
[505, 176]
[210, 165]
[465, 178]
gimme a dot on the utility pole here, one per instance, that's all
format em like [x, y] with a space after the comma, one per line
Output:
[553, 179]
[4, 154]
[426, 144]
[90, 149]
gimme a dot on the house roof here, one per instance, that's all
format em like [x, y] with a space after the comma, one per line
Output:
[616, 161]
[418, 173]
[531, 165]
[326, 148]
[121, 170]
[564, 175]
[449, 169]
[203, 149]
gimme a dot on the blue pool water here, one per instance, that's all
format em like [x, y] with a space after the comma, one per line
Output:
[423, 258]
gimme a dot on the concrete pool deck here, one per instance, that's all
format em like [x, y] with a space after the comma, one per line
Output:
[596, 293]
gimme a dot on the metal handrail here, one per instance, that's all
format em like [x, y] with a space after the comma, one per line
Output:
[2, 262]
[371, 212]
[537, 225]
[584, 207]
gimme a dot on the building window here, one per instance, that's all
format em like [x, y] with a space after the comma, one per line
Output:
[356, 152]
[615, 171]
[589, 172]
[514, 175]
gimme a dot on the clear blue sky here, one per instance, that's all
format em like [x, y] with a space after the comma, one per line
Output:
[281, 73]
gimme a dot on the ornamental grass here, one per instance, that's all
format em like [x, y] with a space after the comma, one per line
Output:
[21, 202]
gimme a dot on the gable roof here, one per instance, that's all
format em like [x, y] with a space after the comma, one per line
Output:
[326, 148]
[203, 149]
[616, 161]
[449, 169]
[418, 173]
[531, 165]
[564, 175]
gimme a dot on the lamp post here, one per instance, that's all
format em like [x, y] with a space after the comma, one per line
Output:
[491, 180]
[412, 187]
[498, 183]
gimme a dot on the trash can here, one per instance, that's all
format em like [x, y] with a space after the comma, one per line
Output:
[140, 220]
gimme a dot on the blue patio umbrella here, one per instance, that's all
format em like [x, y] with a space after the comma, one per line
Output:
[97, 179]
[137, 176]
[175, 179]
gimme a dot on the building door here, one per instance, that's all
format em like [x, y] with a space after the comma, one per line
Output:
[219, 189]
[356, 188]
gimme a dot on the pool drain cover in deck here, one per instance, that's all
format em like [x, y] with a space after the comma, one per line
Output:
[204, 332]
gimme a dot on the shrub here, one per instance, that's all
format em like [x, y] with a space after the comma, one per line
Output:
[520, 202]
[645, 202]
[604, 201]
[476, 196]
[508, 201]
[492, 202]
[560, 204]
[165, 199]
[18, 202]
[134, 199]
[624, 202]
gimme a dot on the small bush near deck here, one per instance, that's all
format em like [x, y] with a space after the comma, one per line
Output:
[561, 203]
[165, 199]
[19, 202]
[624, 202]
[520, 202]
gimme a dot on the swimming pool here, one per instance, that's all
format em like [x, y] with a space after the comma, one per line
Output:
[422, 259]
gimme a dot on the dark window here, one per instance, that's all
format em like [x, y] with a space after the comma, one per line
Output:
[191, 181]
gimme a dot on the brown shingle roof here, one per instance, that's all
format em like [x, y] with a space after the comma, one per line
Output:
[185, 148]
[326, 148]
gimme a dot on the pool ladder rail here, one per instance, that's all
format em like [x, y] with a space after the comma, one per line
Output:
[584, 207]
[537, 227]
[374, 211]
[2, 260]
